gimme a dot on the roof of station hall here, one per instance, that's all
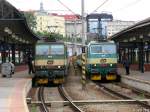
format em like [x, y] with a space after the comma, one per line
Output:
[14, 21]
[136, 26]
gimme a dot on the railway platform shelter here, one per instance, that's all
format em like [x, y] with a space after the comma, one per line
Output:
[134, 42]
[16, 38]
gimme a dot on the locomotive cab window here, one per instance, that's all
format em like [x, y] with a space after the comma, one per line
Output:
[42, 49]
[57, 49]
[49, 49]
[96, 49]
[109, 49]
[105, 49]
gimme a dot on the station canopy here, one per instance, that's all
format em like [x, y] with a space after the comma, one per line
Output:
[139, 32]
[13, 26]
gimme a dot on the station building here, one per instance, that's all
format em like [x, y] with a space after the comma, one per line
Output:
[50, 23]
[97, 25]
[73, 27]
[134, 42]
[116, 26]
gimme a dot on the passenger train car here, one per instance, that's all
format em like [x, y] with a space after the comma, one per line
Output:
[50, 64]
[102, 61]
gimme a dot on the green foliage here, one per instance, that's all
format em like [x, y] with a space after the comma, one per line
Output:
[72, 39]
[56, 36]
[50, 36]
[31, 20]
[79, 40]
[142, 96]
[33, 108]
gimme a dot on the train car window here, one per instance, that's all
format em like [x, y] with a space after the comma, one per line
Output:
[57, 49]
[42, 49]
[109, 49]
[96, 49]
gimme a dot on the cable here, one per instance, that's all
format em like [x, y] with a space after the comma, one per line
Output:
[128, 5]
[66, 7]
[100, 6]
[58, 10]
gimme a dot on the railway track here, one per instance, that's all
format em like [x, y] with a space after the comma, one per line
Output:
[66, 97]
[79, 104]
[137, 101]
[43, 106]
[85, 100]
[67, 100]
[135, 90]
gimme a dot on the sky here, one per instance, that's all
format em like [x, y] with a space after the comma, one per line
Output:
[129, 10]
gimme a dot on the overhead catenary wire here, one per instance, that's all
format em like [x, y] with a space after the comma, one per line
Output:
[89, 13]
[100, 6]
[72, 13]
[66, 7]
[128, 5]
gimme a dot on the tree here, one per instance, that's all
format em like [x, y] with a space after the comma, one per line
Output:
[50, 36]
[31, 20]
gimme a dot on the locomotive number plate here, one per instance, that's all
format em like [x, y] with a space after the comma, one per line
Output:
[103, 60]
[49, 62]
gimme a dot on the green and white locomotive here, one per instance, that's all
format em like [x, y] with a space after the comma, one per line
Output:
[102, 61]
[50, 64]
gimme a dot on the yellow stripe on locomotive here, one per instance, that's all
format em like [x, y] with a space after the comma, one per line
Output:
[101, 63]
[51, 63]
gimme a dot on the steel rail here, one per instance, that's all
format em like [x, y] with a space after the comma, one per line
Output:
[124, 96]
[63, 94]
[90, 101]
[41, 98]
[136, 90]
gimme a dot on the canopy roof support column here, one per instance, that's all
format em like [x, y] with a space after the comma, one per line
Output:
[13, 53]
[141, 57]
[3, 53]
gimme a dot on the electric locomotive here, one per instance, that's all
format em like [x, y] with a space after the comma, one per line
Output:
[50, 64]
[101, 61]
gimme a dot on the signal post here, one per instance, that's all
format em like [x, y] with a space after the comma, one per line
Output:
[83, 69]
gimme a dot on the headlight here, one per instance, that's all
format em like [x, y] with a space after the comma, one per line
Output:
[59, 66]
[93, 65]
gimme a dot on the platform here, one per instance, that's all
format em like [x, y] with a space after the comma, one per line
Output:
[136, 79]
[13, 91]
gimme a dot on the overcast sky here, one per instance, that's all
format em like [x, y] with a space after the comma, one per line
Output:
[121, 9]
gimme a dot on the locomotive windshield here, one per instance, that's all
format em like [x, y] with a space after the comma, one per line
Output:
[42, 49]
[49, 49]
[57, 49]
[103, 49]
